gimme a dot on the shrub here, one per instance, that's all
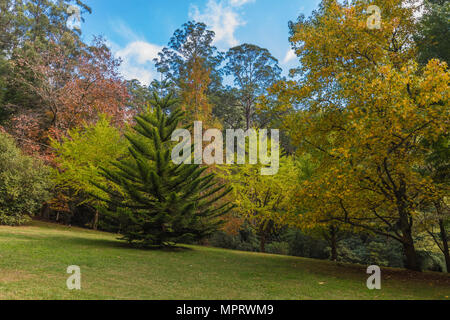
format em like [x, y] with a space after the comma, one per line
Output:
[278, 248]
[368, 250]
[24, 184]
[221, 239]
[244, 240]
[431, 261]
[302, 245]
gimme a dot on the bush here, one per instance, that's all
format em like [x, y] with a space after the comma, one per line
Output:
[221, 239]
[244, 240]
[278, 248]
[302, 245]
[24, 184]
[431, 261]
[368, 250]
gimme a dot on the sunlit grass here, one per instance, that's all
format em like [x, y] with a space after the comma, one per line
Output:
[34, 259]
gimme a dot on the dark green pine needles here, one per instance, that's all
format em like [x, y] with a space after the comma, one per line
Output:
[163, 203]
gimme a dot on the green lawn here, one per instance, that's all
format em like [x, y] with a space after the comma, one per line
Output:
[34, 259]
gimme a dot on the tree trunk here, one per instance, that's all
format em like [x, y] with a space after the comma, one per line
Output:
[248, 115]
[445, 244]
[412, 261]
[333, 244]
[45, 211]
[95, 223]
[262, 243]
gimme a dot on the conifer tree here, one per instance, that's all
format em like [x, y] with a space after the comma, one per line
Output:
[163, 203]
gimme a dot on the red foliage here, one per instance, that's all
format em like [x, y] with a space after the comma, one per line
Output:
[72, 90]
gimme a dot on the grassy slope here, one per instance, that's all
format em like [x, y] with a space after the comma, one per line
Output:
[33, 262]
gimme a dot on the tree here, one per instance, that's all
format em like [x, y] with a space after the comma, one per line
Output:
[8, 25]
[331, 231]
[190, 45]
[263, 201]
[33, 27]
[434, 31]
[80, 156]
[435, 219]
[24, 183]
[366, 106]
[254, 70]
[53, 81]
[193, 94]
[191, 63]
[164, 203]
[432, 42]
[28, 22]
[139, 95]
[162, 87]
[68, 91]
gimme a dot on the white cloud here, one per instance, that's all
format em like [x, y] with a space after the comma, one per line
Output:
[137, 62]
[223, 17]
[238, 3]
[137, 54]
[123, 30]
[290, 55]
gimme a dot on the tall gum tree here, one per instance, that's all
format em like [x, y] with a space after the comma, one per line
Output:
[254, 70]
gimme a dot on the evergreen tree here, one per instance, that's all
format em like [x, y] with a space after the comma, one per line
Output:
[164, 203]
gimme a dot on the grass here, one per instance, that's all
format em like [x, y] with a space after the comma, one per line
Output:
[34, 259]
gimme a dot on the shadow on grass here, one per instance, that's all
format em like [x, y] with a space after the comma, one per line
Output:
[57, 241]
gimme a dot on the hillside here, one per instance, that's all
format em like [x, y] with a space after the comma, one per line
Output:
[33, 262]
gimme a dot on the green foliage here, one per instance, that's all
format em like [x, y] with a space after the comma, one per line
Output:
[278, 248]
[79, 157]
[254, 70]
[139, 94]
[434, 31]
[4, 112]
[303, 245]
[371, 251]
[192, 42]
[240, 241]
[165, 203]
[263, 200]
[431, 261]
[228, 108]
[24, 184]
[83, 152]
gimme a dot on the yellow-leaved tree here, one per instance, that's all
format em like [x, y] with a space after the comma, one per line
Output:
[360, 106]
[263, 200]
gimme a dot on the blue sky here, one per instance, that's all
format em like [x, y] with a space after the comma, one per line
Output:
[136, 30]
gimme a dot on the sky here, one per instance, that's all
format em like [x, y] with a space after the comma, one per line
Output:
[136, 30]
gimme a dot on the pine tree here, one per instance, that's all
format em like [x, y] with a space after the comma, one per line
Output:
[163, 203]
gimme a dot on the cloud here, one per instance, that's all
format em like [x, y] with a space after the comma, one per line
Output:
[238, 3]
[223, 17]
[137, 59]
[122, 29]
[290, 55]
[136, 53]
